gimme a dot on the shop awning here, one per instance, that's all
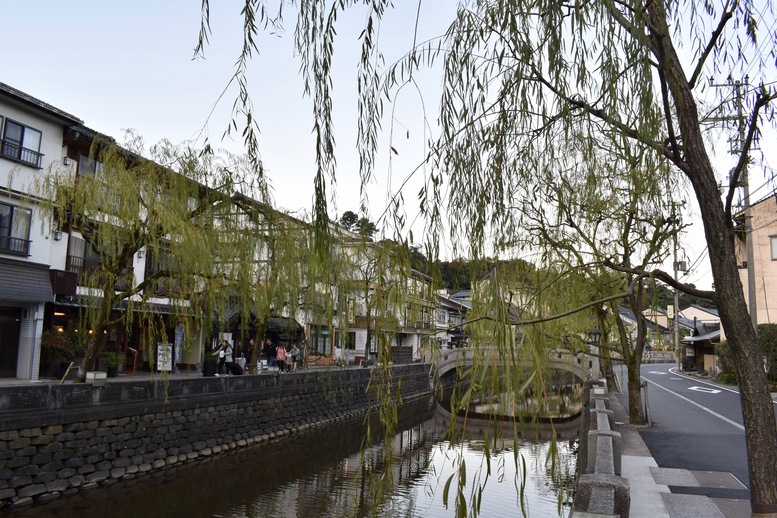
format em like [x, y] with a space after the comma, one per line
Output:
[24, 283]
[714, 336]
[82, 301]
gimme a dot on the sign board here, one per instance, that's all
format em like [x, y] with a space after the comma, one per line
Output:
[690, 351]
[670, 311]
[164, 356]
[178, 342]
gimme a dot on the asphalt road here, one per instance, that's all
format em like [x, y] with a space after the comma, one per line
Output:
[697, 425]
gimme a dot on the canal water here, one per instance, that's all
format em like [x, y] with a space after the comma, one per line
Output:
[327, 473]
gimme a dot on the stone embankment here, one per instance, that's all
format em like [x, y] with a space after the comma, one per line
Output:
[60, 439]
[601, 492]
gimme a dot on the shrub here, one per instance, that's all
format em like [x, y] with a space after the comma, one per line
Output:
[55, 348]
[113, 359]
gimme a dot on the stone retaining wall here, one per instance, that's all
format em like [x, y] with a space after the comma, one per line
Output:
[59, 439]
[600, 490]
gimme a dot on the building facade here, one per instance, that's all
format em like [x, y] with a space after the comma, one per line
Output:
[31, 135]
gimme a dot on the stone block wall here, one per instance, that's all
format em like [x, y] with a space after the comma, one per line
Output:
[59, 439]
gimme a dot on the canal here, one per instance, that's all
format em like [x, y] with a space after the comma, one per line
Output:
[327, 473]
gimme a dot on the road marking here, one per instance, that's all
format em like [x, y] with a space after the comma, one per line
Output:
[705, 390]
[658, 372]
[700, 381]
[696, 380]
[724, 418]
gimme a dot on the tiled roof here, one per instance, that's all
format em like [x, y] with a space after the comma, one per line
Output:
[24, 282]
[37, 103]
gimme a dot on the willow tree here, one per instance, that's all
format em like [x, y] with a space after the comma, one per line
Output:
[607, 212]
[517, 76]
[206, 243]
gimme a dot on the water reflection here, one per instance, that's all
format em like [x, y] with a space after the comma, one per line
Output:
[327, 473]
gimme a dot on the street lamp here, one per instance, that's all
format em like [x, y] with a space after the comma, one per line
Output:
[594, 336]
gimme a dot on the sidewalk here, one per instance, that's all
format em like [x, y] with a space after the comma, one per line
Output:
[651, 486]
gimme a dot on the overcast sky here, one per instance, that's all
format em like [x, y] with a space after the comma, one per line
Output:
[128, 65]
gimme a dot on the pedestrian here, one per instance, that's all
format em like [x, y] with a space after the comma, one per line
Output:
[248, 352]
[294, 353]
[225, 356]
[269, 351]
[280, 358]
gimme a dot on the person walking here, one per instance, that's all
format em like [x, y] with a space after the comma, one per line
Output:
[280, 358]
[225, 356]
[269, 352]
[248, 352]
[294, 353]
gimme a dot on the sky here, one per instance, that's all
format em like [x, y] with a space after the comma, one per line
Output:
[129, 65]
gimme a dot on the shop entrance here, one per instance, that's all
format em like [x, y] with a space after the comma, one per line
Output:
[10, 325]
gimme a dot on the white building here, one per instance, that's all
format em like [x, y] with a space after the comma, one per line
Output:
[32, 136]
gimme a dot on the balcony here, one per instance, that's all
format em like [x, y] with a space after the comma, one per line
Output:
[85, 265]
[15, 245]
[63, 283]
[162, 287]
[14, 151]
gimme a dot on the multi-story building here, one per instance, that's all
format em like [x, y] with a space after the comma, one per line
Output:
[32, 133]
[762, 231]
[450, 318]
[45, 263]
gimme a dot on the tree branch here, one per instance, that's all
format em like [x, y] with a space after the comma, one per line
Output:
[663, 277]
[710, 45]
[764, 98]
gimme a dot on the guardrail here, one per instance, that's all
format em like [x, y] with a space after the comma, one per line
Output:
[601, 492]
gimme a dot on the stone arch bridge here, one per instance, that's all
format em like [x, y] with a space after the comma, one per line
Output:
[580, 365]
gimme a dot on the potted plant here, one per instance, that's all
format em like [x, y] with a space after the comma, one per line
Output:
[112, 361]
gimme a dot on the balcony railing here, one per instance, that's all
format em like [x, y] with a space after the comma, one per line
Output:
[16, 152]
[15, 245]
[84, 265]
[164, 286]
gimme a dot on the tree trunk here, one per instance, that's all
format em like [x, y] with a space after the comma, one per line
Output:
[757, 407]
[636, 412]
[368, 340]
[96, 341]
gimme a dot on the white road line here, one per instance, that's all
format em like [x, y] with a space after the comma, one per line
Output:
[726, 419]
[673, 371]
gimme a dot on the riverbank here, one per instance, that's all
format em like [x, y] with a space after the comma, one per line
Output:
[58, 440]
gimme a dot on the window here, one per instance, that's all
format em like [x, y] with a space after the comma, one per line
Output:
[346, 339]
[320, 340]
[773, 241]
[89, 166]
[84, 261]
[15, 230]
[81, 258]
[162, 260]
[21, 143]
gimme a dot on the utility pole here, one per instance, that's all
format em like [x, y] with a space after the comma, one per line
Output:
[676, 308]
[740, 118]
[678, 266]
[751, 294]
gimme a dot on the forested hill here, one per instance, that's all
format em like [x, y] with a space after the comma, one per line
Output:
[458, 274]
